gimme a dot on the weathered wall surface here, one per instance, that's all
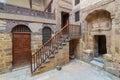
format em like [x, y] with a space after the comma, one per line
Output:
[87, 8]
[86, 3]
[87, 37]
[5, 48]
[116, 32]
[38, 5]
[22, 3]
[6, 27]
[46, 3]
[35, 4]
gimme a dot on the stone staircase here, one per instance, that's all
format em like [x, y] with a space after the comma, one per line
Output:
[98, 62]
[55, 59]
[53, 52]
[45, 58]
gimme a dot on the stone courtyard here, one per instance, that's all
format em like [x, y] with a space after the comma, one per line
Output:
[42, 34]
[75, 70]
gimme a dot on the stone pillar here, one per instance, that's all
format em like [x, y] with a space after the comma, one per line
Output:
[112, 49]
[108, 42]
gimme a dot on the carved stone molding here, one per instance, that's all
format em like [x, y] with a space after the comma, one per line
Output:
[117, 31]
[51, 26]
[13, 23]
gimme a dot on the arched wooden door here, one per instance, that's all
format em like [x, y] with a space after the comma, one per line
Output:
[21, 46]
[46, 34]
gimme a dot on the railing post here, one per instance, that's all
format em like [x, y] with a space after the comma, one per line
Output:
[68, 28]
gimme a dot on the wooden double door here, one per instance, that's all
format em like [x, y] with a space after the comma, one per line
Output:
[21, 49]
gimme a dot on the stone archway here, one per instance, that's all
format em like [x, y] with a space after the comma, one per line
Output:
[21, 46]
[99, 19]
[99, 23]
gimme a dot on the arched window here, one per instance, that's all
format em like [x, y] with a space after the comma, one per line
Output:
[46, 34]
[20, 28]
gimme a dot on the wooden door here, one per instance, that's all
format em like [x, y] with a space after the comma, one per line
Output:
[21, 49]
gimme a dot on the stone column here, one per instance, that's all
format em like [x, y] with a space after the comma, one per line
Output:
[112, 49]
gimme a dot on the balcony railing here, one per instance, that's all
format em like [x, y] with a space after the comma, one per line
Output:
[74, 31]
[12, 9]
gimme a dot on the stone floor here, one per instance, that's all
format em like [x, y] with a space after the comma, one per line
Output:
[75, 70]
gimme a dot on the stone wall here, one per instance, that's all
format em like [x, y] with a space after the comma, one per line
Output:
[87, 37]
[36, 27]
[86, 3]
[36, 35]
[22, 3]
[5, 52]
[86, 8]
[38, 5]
[61, 6]
[6, 27]
[116, 32]
[5, 48]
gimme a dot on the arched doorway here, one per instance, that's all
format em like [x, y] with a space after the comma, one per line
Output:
[21, 46]
[99, 24]
[46, 34]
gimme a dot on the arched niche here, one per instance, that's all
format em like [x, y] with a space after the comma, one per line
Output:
[99, 20]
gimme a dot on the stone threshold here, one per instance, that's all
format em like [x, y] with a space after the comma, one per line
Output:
[21, 68]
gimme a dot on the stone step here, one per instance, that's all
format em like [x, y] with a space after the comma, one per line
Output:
[47, 61]
[42, 66]
[97, 64]
[60, 47]
[56, 51]
[99, 60]
[67, 40]
[52, 56]
[64, 43]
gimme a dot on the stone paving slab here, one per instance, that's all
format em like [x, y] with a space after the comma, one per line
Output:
[75, 70]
